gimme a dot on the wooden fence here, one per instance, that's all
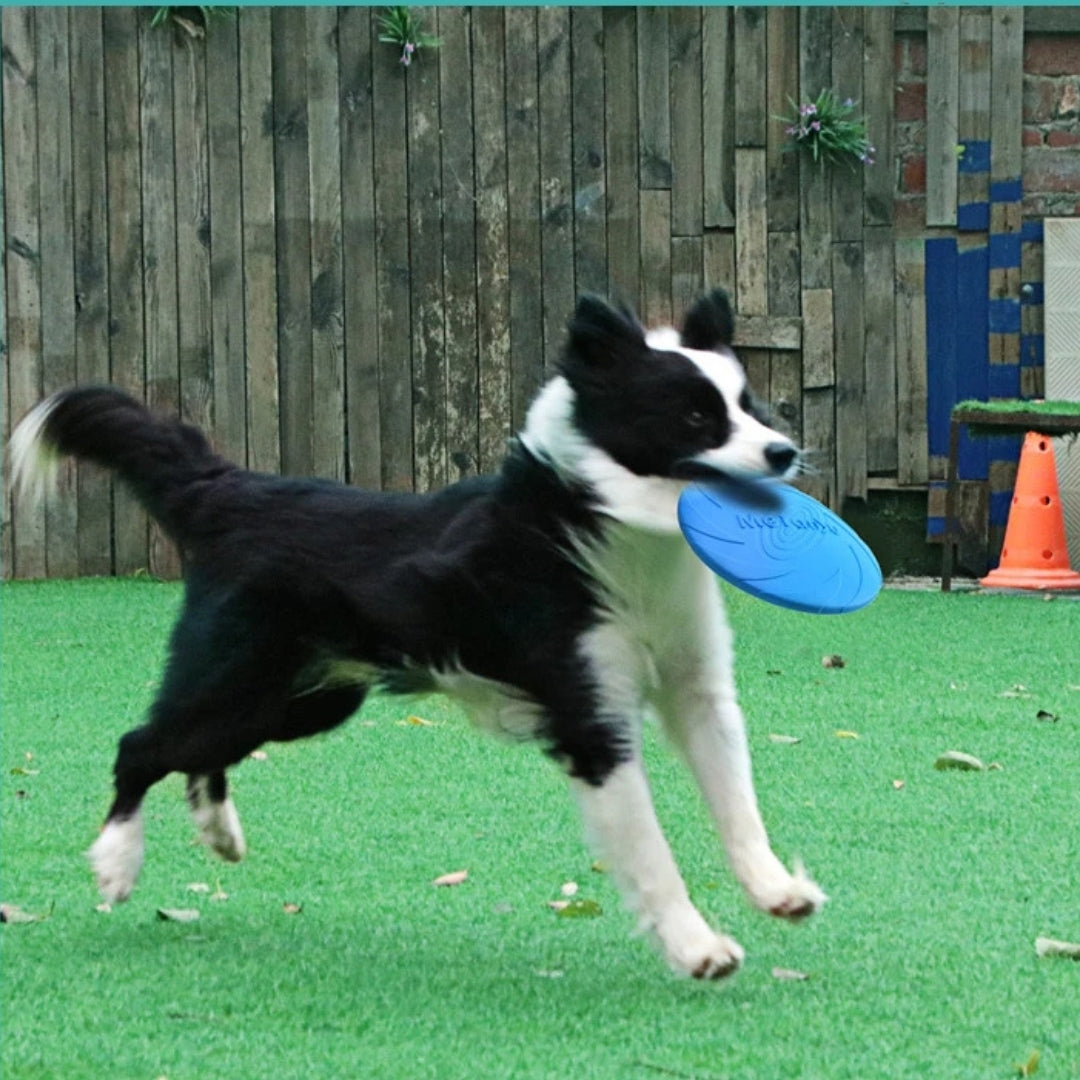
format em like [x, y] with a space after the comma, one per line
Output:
[344, 266]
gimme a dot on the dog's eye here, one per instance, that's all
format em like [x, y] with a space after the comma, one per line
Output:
[696, 419]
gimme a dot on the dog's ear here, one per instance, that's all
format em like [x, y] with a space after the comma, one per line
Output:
[710, 323]
[601, 336]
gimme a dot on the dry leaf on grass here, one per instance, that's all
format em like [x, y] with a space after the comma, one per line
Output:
[847, 734]
[834, 660]
[576, 909]
[180, 915]
[785, 740]
[1029, 1067]
[898, 785]
[957, 759]
[14, 915]
[198, 887]
[258, 755]
[789, 975]
[415, 721]
[455, 877]
[292, 909]
[1045, 946]
[569, 888]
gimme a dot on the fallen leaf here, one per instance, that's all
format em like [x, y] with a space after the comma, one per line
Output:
[1048, 717]
[20, 770]
[219, 895]
[1016, 691]
[600, 867]
[847, 734]
[418, 721]
[14, 915]
[455, 877]
[1030, 1067]
[198, 887]
[832, 661]
[569, 888]
[180, 915]
[105, 909]
[789, 975]
[898, 785]
[785, 740]
[292, 909]
[258, 755]
[956, 759]
[1045, 946]
[577, 909]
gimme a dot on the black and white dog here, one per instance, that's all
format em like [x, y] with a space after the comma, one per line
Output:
[556, 600]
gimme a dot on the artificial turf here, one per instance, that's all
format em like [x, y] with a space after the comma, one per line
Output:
[922, 965]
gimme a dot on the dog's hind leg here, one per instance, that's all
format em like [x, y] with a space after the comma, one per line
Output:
[215, 815]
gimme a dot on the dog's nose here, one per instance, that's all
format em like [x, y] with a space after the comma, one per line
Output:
[780, 456]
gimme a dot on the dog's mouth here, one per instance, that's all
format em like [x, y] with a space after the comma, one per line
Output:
[760, 493]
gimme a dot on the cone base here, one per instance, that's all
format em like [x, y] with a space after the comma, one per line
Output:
[1014, 577]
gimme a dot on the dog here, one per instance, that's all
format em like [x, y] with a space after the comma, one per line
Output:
[556, 600]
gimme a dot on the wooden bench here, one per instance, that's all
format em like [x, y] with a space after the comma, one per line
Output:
[1012, 418]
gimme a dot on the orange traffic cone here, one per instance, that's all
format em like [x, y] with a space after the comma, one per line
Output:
[1034, 555]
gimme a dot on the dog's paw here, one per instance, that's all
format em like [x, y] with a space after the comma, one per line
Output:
[219, 829]
[794, 896]
[691, 947]
[116, 857]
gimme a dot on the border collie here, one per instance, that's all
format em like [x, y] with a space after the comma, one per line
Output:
[557, 600]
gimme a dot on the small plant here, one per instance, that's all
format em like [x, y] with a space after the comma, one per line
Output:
[829, 130]
[401, 28]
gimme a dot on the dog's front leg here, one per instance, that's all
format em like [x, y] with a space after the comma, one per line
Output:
[707, 724]
[621, 823]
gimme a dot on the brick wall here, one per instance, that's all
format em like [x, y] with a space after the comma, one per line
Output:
[1051, 136]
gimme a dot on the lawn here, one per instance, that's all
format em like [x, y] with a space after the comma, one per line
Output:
[328, 953]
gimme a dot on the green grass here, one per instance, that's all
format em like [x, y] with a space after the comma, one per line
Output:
[1009, 405]
[922, 965]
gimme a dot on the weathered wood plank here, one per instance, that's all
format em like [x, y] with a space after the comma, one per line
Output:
[782, 88]
[292, 224]
[125, 282]
[784, 274]
[654, 96]
[360, 297]
[57, 266]
[849, 329]
[879, 313]
[819, 446]
[718, 117]
[91, 270]
[942, 113]
[327, 286]
[819, 368]
[911, 383]
[259, 202]
[1006, 89]
[973, 121]
[589, 189]
[785, 393]
[687, 273]
[720, 261]
[22, 267]
[159, 269]
[192, 187]
[847, 82]
[556, 172]
[815, 74]
[459, 250]
[751, 232]
[392, 262]
[656, 257]
[877, 106]
[492, 235]
[687, 136]
[751, 76]
[768, 331]
[523, 198]
[228, 382]
[620, 139]
[425, 269]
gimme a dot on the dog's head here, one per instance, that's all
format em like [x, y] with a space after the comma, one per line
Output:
[663, 407]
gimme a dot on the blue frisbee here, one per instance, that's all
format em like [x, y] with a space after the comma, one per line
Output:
[780, 545]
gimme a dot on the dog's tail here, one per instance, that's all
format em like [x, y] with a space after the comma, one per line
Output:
[159, 459]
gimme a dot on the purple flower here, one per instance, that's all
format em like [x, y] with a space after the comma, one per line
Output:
[808, 110]
[816, 125]
[407, 53]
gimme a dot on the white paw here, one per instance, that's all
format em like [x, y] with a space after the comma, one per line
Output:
[116, 857]
[691, 947]
[219, 828]
[788, 896]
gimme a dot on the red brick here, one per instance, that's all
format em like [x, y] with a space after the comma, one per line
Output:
[1058, 137]
[1032, 136]
[917, 55]
[1051, 54]
[913, 174]
[1040, 100]
[910, 101]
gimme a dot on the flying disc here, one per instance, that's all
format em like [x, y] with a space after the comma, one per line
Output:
[781, 546]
